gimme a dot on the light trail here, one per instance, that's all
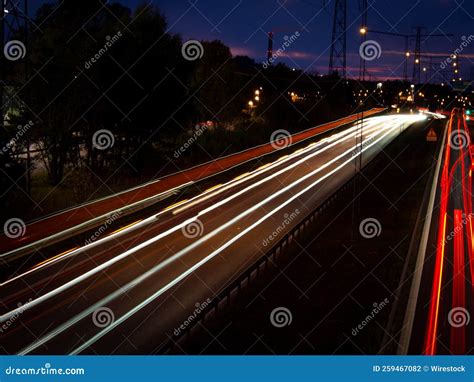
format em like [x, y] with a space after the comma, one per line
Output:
[184, 251]
[226, 245]
[458, 333]
[432, 329]
[347, 134]
[127, 253]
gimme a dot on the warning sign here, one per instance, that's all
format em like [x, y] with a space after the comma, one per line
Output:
[431, 136]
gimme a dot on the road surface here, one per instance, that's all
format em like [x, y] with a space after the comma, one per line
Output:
[449, 309]
[141, 283]
[63, 224]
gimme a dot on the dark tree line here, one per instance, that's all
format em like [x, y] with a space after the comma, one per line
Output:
[94, 66]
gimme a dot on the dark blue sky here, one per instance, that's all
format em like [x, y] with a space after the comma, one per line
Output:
[242, 25]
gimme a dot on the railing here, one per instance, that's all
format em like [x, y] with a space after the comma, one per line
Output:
[234, 289]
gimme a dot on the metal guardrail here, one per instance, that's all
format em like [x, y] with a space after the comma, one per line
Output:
[234, 289]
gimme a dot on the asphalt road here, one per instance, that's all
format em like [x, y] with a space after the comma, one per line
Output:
[139, 284]
[64, 224]
[445, 308]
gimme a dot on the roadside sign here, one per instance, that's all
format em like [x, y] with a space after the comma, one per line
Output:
[431, 136]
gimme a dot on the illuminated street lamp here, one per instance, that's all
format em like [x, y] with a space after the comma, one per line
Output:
[407, 54]
[363, 30]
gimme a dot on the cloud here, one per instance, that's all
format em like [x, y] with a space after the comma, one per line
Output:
[242, 51]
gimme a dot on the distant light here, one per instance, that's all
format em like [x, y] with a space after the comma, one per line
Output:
[250, 103]
[363, 30]
[417, 61]
[407, 54]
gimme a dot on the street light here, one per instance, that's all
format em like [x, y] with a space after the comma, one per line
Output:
[363, 30]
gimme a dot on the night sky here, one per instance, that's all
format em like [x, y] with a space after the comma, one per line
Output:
[243, 24]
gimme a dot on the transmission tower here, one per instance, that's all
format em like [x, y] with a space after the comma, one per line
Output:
[363, 33]
[337, 60]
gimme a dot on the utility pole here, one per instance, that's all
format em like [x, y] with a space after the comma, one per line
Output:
[363, 36]
[417, 63]
[337, 60]
[407, 56]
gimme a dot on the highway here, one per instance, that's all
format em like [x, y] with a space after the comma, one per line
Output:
[141, 282]
[450, 304]
[64, 224]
